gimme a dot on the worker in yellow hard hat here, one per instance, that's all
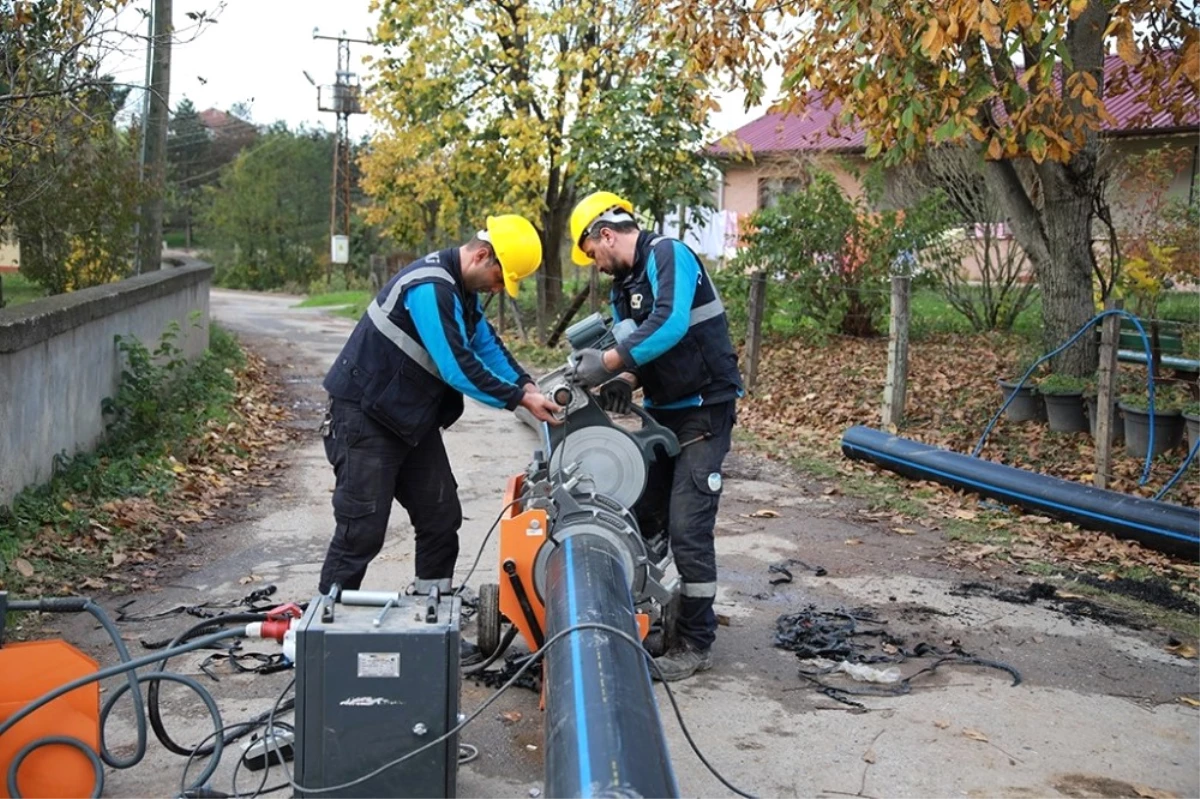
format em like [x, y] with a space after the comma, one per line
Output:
[681, 355]
[422, 344]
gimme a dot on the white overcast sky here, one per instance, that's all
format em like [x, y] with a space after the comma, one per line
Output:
[257, 53]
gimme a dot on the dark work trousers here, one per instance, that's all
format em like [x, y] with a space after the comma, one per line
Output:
[373, 467]
[681, 497]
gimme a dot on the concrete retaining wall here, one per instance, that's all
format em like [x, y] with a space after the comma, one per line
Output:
[59, 360]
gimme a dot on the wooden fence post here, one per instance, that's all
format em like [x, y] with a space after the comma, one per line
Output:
[516, 314]
[896, 387]
[1105, 391]
[758, 302]
[594, 287]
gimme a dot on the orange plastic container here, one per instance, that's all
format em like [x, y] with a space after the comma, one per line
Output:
[27, 671]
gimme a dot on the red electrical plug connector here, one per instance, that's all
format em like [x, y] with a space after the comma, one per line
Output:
[279, 621]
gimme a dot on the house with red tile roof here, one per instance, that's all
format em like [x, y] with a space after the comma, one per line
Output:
[775, 152]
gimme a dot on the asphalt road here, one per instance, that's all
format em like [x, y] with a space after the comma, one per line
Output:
[1097, 712]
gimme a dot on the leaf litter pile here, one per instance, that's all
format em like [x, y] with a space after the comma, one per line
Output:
[119, 544]
[807, 395]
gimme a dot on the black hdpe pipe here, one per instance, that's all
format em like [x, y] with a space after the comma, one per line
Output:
[603, 733]
[1168, 528]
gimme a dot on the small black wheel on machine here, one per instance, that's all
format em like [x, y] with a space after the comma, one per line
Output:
[488, 619]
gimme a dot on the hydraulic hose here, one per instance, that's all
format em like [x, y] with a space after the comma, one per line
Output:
[86, 605]
[127, 666]
[1087, 326]
[130, 667]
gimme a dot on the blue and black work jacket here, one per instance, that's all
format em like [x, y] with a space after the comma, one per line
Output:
[681, 350]
[422, 344]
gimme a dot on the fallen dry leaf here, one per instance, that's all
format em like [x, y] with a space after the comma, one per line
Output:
[764, 513]
[118, 558]
[1183, 650]
[1146, 792]
[1187, 700]
[24, 567]
[511, 716]
[869, 756]
[975, 735]
[904, 530]
[941, 724]
[853, 542]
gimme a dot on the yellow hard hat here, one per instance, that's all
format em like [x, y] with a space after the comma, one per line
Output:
[518, 248]
[586, 212]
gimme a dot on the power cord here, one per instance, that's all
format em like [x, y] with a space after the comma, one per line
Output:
[534, 658]
[479, 554]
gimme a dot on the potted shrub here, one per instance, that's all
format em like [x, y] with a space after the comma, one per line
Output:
[1063, 396]
[1168, 421]
[1191, 419]
[1027, 405]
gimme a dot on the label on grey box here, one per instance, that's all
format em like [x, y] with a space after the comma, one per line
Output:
[378, 664]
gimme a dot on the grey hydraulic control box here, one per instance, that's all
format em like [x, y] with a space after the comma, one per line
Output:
[376, 681]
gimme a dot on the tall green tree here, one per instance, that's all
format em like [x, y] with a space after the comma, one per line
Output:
[1022, 81]
[268, 216]
[495, 91]
[651, 151]
[189, 166]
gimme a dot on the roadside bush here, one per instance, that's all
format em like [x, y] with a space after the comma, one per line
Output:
[162, 406]
[831, 256]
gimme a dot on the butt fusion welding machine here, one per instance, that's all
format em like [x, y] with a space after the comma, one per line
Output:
[377, 672]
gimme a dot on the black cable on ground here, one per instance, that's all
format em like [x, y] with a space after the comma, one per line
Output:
[509, 636]
[152, 693]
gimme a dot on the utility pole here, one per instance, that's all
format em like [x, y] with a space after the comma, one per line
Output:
[343, 99]
[149, 256]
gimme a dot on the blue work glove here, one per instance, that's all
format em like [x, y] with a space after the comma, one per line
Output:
[590, 370]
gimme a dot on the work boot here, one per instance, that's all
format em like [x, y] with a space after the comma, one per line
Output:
[682, 662]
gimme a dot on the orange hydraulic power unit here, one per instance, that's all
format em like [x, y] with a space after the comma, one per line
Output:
[27, 671]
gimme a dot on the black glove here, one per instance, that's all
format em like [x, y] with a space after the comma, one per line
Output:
[616, 396]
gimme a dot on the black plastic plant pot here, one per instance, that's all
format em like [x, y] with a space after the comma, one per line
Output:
[1168, 431]
[1116, 429]
[1027, 406]
[1192, 423]
[1064, 412]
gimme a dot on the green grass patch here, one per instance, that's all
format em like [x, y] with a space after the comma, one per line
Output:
[70, 526]
[1183, 624]
[534, 355]
[1180, 306]
[348, 303]
[17, 289]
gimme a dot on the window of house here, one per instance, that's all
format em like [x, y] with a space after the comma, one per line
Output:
[771, 189]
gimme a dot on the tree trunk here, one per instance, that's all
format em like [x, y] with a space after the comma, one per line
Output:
[1066, 277]
[554, 232]
[1057, 239]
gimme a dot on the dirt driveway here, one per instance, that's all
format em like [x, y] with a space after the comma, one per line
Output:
[1097, 711]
